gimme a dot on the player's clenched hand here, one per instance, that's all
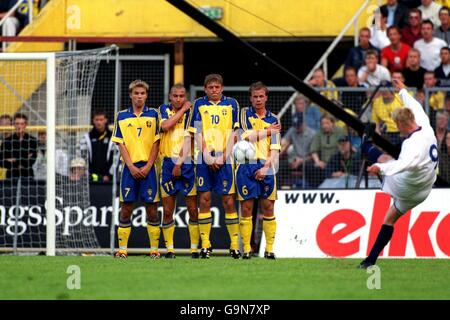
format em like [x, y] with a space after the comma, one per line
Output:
[373, 169]
[176, 172]
[186, 106]
[261, 173]
[145, 170]
[215, 166]
[136, 172]
[274, 128]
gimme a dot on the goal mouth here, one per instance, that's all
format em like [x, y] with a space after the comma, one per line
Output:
[48, 98]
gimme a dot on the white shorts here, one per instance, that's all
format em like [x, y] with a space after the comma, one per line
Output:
[404, 206]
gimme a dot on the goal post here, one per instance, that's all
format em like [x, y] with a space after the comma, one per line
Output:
[54, 91]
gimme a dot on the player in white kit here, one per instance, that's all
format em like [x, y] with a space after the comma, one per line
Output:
[408, 179]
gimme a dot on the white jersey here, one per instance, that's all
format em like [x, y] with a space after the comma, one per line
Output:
[413, 174]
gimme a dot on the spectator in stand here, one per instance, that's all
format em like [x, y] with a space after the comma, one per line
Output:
[430, 11]
[397, 13]
[352, 99]
[310, 112]
[379, 37]
[442, 72]
[394, 56]
[296, 143]
[323, 146]
[382, 110]
[429, 47]
[99, 147]
[5, 121]
[420, 97]
[447, 108]
[18, 152]
[411, 33]
[356, 55]
[444, 159]
[414, 73]
[372, 73]
[344, 162]
[11, 24]
[319, 80]
[441, 130]
[40, 166]
[436, 99]
[443, 31]
[77, 170]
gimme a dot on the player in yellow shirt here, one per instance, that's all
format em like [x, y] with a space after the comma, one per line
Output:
[382, 110]
[136, 133]
[213, 121]
[177, 175]
[256, 179]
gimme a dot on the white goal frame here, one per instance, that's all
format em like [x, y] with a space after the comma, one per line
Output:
[49, 59]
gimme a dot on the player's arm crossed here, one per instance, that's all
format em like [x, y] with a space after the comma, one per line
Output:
[232, 139]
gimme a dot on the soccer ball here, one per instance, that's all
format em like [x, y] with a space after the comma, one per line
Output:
[243, 150]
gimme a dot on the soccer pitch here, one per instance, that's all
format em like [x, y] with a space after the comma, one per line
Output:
[138, 277]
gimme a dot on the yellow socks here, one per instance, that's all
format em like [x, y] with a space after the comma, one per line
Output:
[204, 225]
[246, 226]
[168, 230]
[153, 233]
[123, 233]
[269, 227]
[194, 235]
[232, 222]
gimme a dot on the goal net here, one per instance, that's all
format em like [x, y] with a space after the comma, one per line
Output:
[45, 109]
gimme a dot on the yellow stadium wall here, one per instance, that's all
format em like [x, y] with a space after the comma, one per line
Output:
[157, 18]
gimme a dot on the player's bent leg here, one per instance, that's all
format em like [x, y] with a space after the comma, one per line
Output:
[269, 226]
[153, 229]
[124, 230]
[168, 225]
[246, 226]
[194, 232]
[232, 222]
[205, 222]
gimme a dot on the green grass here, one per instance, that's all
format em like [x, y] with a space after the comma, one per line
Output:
[138, 277]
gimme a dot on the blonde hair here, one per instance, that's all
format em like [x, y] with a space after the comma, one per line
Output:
[403, 115]
[138, 84]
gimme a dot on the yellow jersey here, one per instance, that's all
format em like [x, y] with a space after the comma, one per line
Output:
[250, 122]
[382, 112]
[215, 121]
[172, 140]
[137, 132]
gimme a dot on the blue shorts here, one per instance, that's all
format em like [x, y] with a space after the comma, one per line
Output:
[248, 187]
[184, 184]
[132, 190]
[221, 181]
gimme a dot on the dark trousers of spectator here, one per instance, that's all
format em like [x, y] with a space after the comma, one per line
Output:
[314, 175]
